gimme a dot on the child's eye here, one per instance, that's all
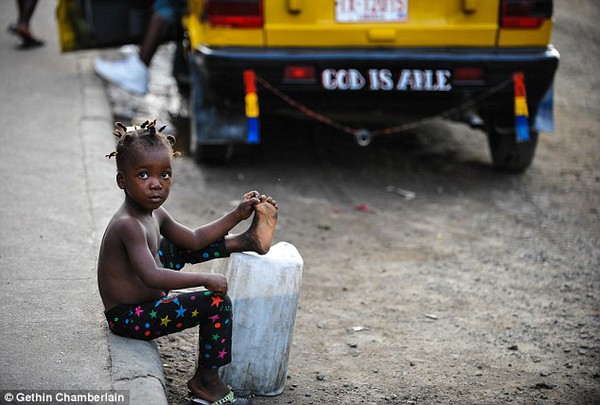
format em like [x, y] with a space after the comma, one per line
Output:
[166, 175]
[143, 175]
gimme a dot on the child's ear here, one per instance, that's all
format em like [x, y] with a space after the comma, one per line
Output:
[120, 181]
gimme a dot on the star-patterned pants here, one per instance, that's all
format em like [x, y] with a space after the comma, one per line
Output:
[176, 312]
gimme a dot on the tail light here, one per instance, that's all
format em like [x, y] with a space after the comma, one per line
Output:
[468, 75]
[525, 14]
[234, 13]
[299, 74]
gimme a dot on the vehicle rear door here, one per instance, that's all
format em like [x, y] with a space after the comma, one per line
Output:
[381, 23]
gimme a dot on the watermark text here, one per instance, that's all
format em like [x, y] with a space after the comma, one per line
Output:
[75, 397]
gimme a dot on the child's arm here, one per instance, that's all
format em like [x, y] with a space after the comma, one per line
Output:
[201, 237]
[134, 237]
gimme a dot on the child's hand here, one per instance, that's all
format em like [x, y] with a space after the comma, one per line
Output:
[246, 207]
[216, 283]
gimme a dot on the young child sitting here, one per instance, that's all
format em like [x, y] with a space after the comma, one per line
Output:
[143, 249]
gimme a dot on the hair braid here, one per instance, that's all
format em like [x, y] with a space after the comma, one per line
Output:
[144, 136]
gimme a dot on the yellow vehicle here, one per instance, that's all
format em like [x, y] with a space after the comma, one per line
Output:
[369, 67]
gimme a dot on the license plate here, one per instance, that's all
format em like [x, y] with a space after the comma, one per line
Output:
[354, 11]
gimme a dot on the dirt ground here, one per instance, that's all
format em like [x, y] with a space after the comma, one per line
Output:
[484, 288]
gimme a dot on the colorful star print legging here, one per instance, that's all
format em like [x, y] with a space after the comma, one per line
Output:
[176, 312]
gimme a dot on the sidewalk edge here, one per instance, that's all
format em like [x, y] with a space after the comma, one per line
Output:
[135, 365]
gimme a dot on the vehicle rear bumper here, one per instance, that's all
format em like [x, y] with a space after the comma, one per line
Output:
[231, 56]
[220, 70]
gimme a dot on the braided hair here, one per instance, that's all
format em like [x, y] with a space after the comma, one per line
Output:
[144, 136]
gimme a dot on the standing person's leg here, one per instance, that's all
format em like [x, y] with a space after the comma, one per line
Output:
[154, 35]
[166, 13]
[131, 72]
[21, 28]
[26, 9]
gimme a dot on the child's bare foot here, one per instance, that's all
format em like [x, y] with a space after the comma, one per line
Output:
[207, 386]
[259, 236]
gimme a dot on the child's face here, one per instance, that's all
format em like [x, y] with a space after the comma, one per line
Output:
[146, 177]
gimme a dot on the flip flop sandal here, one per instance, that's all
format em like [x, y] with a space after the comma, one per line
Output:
[230, 398]
[30, 44]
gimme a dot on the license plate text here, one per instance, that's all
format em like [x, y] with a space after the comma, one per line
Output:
[347, 11]
[386, 80]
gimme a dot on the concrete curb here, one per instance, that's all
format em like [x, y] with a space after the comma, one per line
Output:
[135, 365]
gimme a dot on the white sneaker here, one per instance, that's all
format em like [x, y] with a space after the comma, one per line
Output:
[130, 73]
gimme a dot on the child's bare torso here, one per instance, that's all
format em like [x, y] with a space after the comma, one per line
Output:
[117, 280]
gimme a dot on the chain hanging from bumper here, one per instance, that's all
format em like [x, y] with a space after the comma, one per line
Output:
[364, 136]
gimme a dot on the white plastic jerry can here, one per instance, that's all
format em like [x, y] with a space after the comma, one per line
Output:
[265, 291]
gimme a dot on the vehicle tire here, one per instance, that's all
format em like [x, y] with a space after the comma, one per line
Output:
[509, 155]
[215, 154]
[210, 141]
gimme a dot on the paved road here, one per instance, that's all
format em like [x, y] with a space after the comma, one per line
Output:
[58, 193]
